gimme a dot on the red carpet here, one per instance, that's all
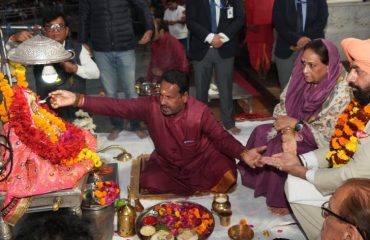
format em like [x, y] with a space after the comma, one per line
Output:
[242, 82]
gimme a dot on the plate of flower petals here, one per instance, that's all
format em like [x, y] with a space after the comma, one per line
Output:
[175, 220]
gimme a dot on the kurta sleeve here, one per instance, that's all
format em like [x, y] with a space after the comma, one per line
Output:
[219, 137]
[116, 107]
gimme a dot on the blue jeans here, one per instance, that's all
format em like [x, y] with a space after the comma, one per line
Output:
[118, 68]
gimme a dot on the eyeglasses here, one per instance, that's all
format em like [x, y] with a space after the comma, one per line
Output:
[55, 27]
[326, 212]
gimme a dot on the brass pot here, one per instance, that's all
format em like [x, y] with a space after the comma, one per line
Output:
[221, 204]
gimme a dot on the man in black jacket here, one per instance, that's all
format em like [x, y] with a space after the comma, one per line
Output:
[69, 75]
[296, 22]
[214, 26]
[108, 24]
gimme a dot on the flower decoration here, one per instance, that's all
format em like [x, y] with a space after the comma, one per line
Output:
[349, 128]
[176, 215]
[106, 192]
[41, 130]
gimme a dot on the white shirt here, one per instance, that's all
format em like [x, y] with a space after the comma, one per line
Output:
[178, 30]
[88, 68]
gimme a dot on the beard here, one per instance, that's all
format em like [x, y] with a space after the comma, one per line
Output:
[362, 95]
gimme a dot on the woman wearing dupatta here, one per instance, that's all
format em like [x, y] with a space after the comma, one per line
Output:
[304, 119]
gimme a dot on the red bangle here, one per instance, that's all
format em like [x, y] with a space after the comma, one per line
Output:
[79, 101]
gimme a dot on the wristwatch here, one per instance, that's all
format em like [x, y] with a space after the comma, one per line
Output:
[299, 126]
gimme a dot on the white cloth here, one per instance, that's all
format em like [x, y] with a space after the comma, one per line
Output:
[298, 190]
[178, 30]
[243, 202]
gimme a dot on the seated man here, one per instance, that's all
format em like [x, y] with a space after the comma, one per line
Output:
[72, 74]
[192, 152]
[347, 214]
[325, 169]
[167, 53]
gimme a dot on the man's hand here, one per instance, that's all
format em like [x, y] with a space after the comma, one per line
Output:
[69, 67]
[303, 41]
[146, 37]
[21, 36]
[284, 122]
[253, 156]
[287, 162]
[217, 41]
[62, 98]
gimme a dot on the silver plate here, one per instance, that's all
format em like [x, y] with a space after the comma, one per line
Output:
[40, 50]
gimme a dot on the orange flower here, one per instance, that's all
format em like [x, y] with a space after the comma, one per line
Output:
[343, 142]
[338, 132]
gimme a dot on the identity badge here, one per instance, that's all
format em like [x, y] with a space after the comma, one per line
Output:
[230, 12]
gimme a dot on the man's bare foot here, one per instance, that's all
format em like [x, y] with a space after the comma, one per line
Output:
[279, 211]
[234, 130]
[141, 133]
[113, 135]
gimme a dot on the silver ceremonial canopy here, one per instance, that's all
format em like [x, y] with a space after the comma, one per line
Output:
[39, 50]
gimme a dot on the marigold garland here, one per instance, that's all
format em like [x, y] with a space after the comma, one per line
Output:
[343, 143]
[43, 132]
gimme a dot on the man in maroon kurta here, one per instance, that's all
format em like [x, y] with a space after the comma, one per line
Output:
[166, 53]
[192, 152]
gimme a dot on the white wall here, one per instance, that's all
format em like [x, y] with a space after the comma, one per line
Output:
[350, 19]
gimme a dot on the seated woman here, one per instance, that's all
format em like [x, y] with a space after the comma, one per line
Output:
[309, 106]
[40, 152]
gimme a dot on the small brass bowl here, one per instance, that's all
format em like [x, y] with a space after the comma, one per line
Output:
[240, 232]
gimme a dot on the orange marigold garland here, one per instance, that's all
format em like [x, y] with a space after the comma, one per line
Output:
[67, 145]
[350, 125]
[44, 133]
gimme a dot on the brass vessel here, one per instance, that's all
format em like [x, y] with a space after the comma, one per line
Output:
[126, 216]
[222, 207]
[240, 232]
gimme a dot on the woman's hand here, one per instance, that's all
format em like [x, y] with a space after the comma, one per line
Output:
[284, 122]
[289, 142]
[62, 98]
[253, 156]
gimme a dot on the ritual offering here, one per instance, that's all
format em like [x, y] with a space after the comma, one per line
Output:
[175, 220]
[240, 232]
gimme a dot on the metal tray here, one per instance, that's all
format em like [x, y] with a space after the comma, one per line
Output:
[153, 212]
